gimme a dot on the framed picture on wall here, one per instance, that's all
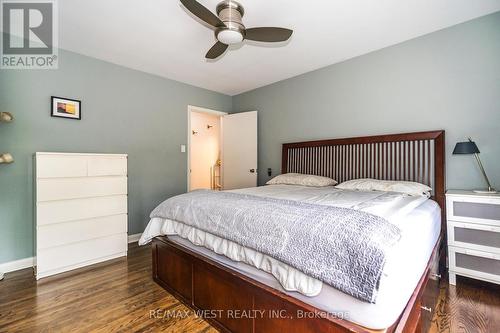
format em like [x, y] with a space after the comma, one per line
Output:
[66, 108]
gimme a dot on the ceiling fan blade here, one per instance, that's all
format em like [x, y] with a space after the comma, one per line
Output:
[203, 13]
[268, 34]
[216, 50]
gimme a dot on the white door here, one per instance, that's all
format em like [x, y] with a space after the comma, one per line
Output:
[239, 150]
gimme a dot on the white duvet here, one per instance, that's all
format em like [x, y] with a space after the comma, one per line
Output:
[389, 205]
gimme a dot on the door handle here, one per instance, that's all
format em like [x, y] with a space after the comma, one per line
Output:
[252, 170]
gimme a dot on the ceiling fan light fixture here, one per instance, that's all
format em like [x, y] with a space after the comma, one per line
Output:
[229, 28]
[229, 37]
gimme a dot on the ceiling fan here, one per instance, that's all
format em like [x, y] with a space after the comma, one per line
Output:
[229, 28]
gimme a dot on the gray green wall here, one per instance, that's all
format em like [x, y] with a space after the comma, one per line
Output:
[123, 111]
[447, 80]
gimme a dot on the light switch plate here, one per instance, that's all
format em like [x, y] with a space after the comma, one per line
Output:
[183, 148]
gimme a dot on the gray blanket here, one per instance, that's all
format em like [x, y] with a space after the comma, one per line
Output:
[342, 247]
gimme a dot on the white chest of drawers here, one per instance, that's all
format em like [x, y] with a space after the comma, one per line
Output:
[81, 210]
[473, 235]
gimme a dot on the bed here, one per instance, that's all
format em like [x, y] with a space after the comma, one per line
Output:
[246, 299]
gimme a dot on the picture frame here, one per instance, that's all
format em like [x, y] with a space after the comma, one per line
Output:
[66, 108]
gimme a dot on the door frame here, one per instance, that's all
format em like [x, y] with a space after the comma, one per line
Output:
[193, 108]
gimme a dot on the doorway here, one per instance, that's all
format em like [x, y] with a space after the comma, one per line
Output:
[204, 143]
[222, 149]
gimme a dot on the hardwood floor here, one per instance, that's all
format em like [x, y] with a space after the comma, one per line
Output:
[116, 296]
[470, 306]
[120, 296]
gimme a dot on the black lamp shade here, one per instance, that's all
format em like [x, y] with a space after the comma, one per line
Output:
[468, 147]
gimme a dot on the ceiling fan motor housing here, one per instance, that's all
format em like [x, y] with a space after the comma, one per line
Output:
[231, 13]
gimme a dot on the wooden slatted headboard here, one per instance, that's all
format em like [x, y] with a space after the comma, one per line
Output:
[415, 157]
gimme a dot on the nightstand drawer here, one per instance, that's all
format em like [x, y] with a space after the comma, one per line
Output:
[474, 236]
[474, 209]
[474, 263]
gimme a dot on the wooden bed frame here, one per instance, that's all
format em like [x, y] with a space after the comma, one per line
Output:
[205, 285]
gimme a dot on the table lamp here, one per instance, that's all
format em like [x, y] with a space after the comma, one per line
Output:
[470, 147]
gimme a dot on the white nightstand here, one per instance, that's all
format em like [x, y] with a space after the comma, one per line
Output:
[473, 235]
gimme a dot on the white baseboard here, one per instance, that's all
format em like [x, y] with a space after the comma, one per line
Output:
[134, 238]
[16, 265]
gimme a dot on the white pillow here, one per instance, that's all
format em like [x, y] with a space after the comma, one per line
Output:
[410, 188]
[301, 179]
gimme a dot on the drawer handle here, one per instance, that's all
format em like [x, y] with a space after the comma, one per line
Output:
[426, 309]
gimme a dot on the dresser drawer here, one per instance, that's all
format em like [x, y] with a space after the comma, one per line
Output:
[479, 209]
[475, 263]
[50, 189]
[58, 166]
[51, 235]
[71, 256]
[49, 212]
[107, 166]
[474, 236]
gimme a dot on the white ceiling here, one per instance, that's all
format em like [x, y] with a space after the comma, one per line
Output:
[160, 37]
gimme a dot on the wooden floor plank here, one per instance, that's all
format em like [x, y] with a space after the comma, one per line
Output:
[469, 307]
[120, 295]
